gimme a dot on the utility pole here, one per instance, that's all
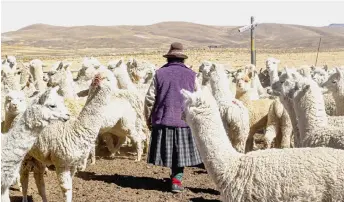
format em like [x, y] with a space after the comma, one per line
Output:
[253, 38]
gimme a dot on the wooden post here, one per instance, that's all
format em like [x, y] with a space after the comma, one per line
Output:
[316, 60]
[253, 38]
[253, 43]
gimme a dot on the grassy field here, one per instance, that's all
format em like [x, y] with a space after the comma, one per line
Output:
[234, 57]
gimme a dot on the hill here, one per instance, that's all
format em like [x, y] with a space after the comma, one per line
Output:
[160, 35]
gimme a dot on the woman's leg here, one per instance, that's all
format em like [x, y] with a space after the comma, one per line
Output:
[176, 178]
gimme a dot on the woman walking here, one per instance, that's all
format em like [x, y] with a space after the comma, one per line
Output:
[172, 144]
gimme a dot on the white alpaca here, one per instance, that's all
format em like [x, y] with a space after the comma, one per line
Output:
[335, 84]
[36, 70]
[67, 145]
[120, 70]
[273, 175]
[140, 72]
[234, 114]
[19, 140]
[309, 108]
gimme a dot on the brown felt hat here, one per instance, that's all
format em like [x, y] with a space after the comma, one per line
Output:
[176, 51]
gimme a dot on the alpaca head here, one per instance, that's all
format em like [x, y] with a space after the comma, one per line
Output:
[15, 103]
[250, 68]
[36, 64]
[196, 104]
[319, 75]
[105, 81]
[140, 70]
[11, 60]
[204, 71]
[58, 75]
[89, 68]
[48, 106]
[243, 82]
[290, 83]
[272, 64]
[335, 82]
[113, 64]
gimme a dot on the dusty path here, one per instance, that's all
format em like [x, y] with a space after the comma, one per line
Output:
[122, 179]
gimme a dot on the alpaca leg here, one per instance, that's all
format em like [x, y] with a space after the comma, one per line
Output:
[92, 154]
[249, 141]
[109, 144]
[286, 131]
[269, 136]
[139, 150]
[38, 174]
[19, 185]
[120, 142]
[5, 196]
[24, 179]
[65, 180]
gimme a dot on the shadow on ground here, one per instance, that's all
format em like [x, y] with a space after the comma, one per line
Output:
[125, 181]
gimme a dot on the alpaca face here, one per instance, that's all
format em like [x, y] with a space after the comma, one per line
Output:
[89, 68]
[12, 61]
[335, 82]
[204, 69]
[59, 74]
[53, 105]
[272, 64]
[140, 71]
[243, 82]
[289, 83]
[15, 103]
[319, 75]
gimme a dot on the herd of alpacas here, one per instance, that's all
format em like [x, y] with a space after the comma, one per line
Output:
[296, 115]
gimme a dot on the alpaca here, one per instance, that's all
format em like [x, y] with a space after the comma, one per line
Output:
[67, 144]
[36, 70]
[258, 109]
[298, 174]
[140, 71]
[309, 108]
[15, 104]
[335, 84]
[18, 141]
[289, 106]
[234, 114]
[62, 76]
[121, 73]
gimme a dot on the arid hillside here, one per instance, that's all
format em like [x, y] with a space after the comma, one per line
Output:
[157, 36]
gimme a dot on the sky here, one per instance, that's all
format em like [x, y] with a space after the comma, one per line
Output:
[15, 15]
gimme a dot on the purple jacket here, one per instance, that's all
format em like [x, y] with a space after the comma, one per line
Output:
[168, 103]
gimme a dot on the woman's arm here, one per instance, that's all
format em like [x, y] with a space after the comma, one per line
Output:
[149, 102]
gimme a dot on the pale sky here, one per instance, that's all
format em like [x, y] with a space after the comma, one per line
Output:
[15, 15]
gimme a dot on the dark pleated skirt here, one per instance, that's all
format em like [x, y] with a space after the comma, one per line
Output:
[173, 146]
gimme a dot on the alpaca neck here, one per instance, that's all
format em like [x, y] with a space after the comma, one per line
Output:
[243, 96]
[67, 87]
[220, 88]
[91, 116]
[37, 74]
[339, 100]
[124, 81]
[273, 74]
[288, 105]
[8, 122]
[309, 107]
[214, 146]
[19, 140]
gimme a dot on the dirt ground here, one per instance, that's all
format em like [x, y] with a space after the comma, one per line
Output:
[123, 179]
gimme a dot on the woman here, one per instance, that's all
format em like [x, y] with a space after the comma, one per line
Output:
[172, 144]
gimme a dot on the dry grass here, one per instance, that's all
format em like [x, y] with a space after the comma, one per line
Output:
[234, 57]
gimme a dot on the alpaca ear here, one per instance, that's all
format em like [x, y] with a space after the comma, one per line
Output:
[325, 67]
[212, 68]
[288, 72]
[119, 62]
[60, 66]
[66, 66]
[340, 73]
[312, 68]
